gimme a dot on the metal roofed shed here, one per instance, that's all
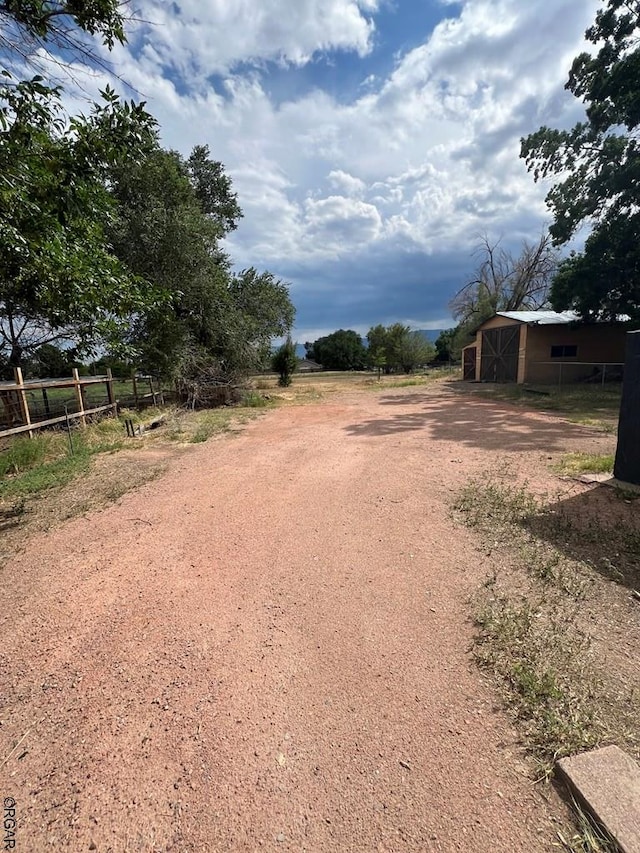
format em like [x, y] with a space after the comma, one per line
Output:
[544, 347]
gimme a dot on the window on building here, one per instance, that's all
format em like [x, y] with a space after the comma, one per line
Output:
[564, 351]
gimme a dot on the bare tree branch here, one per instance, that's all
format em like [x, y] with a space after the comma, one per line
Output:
[503, 282]
[62, 40]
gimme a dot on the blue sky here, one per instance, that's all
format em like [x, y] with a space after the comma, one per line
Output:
[371, 142]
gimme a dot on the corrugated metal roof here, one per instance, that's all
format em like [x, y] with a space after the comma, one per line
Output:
[542, 318]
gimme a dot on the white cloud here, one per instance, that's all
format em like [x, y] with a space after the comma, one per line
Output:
[351, 185]
[200, 37]
[422, 162]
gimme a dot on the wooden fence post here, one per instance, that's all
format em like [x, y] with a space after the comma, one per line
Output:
[135, 388]
[22, 399]
[79, 396]
[110, 394]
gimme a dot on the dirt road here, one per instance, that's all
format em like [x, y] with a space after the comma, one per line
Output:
[269, 647]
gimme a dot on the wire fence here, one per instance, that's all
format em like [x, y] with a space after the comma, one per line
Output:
[27, 405]
[574, 372]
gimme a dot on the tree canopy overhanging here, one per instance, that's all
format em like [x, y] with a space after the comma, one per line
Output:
[48, 18]
[58, 278]
[107, 240]
[56, 37]
[597, 164]
[171, 214]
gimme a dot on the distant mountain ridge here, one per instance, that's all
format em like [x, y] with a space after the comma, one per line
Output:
[431, 334]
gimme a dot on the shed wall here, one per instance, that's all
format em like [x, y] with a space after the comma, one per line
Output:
[497, 321]
[597, 344]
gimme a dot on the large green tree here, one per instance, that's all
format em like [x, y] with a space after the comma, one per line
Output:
[59, 280]
[341, 350]
[263, 308]
[597, 164]
[172, 213]
[106, 239]
[58, 277]
[161, 234]
[397, 348]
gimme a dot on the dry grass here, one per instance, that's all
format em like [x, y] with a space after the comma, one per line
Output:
[589, 838]
[558, 637]
[312, 386]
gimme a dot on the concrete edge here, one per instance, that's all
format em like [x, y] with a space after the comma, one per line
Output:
[605, 783]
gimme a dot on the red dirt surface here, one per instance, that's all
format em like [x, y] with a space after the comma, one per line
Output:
[268, 648]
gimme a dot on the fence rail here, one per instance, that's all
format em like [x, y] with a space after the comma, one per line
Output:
[27, 405]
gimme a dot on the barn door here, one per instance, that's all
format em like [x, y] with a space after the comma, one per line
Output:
[469, 365]
[500, 351]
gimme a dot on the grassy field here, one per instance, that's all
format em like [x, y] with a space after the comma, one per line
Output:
[304, 387]
[330, 381]
[52, 458]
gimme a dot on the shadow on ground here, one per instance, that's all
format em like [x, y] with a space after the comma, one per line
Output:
[471, 422]
[600, 527]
